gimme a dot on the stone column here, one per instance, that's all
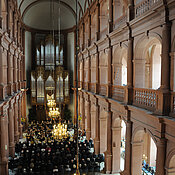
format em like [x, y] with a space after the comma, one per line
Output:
[97, 73]
[98, 21]
[165, 59]
[4, 144]
[15, 74]
[161, 156]
[82, 108]
[97, 136]
[11, 131]
[116, 137]
[10, 74]
[3, 72]
[89, 72]
[129, 89]
[103, 130]
[83, 43]
[110, 25]
[137, 150]
[164, 94]
[109, 87]
[4, 20]
[88, 115]
[172, 71]
[16, 121]
[89, 29]
[19, 119]
[108, 153]
[128, 147]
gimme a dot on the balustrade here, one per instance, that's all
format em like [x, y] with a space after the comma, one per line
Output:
[144, 6]
[146, 98]
[118, 93]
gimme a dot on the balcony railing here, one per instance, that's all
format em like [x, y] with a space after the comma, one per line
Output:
[146, 98]
[103, 89]
[144, 6]
[118, 93]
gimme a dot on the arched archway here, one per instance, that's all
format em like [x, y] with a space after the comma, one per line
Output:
[118, 144]
[144, 151]
[170, 163]
[147, 63]
[120, 66]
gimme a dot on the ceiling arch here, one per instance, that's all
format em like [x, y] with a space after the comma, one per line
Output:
[35, 13]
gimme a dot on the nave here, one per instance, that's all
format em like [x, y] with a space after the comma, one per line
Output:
[41, 152]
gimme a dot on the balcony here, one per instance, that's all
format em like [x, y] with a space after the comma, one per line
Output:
[145, 98]
[118, 93]
[145, 6]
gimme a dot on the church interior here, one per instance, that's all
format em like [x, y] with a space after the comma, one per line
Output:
[87, 87]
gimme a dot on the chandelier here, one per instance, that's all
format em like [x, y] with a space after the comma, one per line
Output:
[60, 131]
[53, 112]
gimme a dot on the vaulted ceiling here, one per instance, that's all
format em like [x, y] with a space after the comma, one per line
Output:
[37, 13]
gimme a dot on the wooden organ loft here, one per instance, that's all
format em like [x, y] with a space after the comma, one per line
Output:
[49, 77]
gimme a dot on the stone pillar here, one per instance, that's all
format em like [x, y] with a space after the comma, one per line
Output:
[10, 74]
[110, 24]
[116, 137]
[3, 72]
[137, 151]
[128, 147]
[161, 156]
[11, 131]
[172, 71]
[4, 20]
[89, 29]
[15, 74]
[109, 87]
[129, 89]
[16, 122]
[19, 119]
[89, 72]
[82, 108]
[83, 43]
[97, 136]
[97, 73]
[103, 131]
[88, 115]
[164, 94]
[108, 153]
[4, 144]
[98, 21]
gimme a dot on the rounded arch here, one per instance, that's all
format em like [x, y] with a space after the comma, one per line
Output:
[37, 1]
[170, 157]
[147, 61]
[146, 41]
[144, 130]
[173, 45]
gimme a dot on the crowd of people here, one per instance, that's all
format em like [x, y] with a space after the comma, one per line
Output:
[42, 154]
